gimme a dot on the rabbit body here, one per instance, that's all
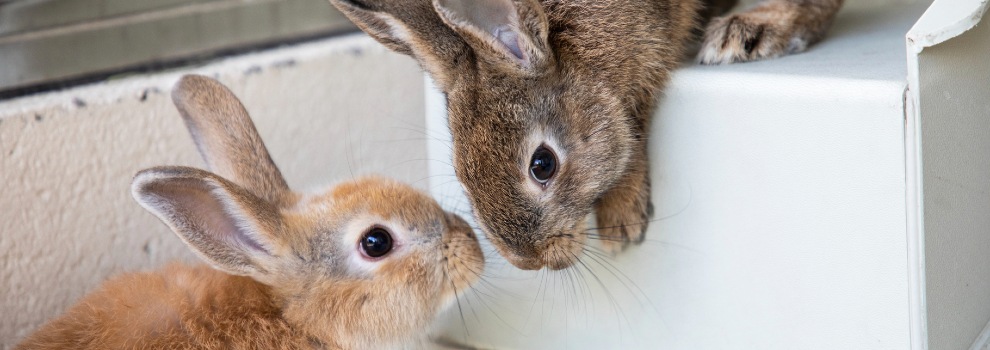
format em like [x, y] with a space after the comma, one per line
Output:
[366, 264]
[177, 307]
[549, 102]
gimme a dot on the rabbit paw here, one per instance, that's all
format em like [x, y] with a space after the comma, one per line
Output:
[623, 214]
[763, 32]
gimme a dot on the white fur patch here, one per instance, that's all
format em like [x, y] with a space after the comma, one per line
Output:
[713, 53]
[797, 44]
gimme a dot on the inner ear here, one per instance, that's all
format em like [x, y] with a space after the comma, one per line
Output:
[223, 223]
[511, 34]
[496, 18]
[209, 212]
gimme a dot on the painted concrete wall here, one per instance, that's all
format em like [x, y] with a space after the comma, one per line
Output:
[327, 110]
[955, 127]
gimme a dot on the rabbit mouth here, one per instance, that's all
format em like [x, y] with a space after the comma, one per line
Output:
[558, 252]
[562, 251]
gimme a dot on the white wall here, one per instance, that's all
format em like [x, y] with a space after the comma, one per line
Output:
[955, 127]
[326, 110]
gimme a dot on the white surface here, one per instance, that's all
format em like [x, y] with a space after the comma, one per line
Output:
[327, 110]
[954, 116]
[781, 220]
[915, 211]
[949, 257]
[944, 20]
[983, 341]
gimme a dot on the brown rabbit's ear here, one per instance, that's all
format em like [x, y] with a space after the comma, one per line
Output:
[409, 27]
[226, 138]
[223, 223]
[509, 33]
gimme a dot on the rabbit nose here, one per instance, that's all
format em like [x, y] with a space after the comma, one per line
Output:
[556, 253]
[523, 257]
[525, 263]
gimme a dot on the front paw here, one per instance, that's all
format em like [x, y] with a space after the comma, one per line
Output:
[623, 214]
[763, 32]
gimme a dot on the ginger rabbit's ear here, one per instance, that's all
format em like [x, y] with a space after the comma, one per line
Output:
[227, 140]
[511, 34]
[223, 223]
[412, 28]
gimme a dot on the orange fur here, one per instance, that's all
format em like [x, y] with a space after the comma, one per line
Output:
[177, 307]
[292, 270]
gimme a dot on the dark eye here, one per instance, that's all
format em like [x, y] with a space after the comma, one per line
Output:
[376, 243]
[543, 165]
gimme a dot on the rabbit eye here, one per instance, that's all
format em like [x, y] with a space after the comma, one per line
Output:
[376, 243]
[543, 164]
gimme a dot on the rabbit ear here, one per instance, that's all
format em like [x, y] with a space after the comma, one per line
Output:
[510, 33]
[412, 28]
[227, 139]
[223, 223]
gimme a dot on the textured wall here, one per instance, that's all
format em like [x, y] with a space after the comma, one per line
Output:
[327, 110]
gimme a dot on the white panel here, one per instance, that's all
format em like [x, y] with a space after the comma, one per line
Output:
[781, 225]
[955, 134]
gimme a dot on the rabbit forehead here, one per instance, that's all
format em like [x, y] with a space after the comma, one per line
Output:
[372, 197]
[388, 199]
[326, 228]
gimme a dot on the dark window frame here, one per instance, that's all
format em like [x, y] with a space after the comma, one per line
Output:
[52, 44]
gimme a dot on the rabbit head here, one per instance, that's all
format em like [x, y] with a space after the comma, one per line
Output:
[539, 134]
[367, 263]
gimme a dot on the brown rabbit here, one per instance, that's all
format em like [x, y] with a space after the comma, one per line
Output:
[366, 264]
[549, 102]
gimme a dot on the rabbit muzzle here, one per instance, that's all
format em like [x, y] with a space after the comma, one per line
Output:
[462, 253]
[556, 252]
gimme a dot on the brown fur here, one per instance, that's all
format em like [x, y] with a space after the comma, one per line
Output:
[770, 29]
[292, 273]
[583, 75]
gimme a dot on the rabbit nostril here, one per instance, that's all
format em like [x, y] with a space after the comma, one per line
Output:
[543, 164]
[376, 243]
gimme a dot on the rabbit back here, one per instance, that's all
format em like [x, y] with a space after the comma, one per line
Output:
[177, 307]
